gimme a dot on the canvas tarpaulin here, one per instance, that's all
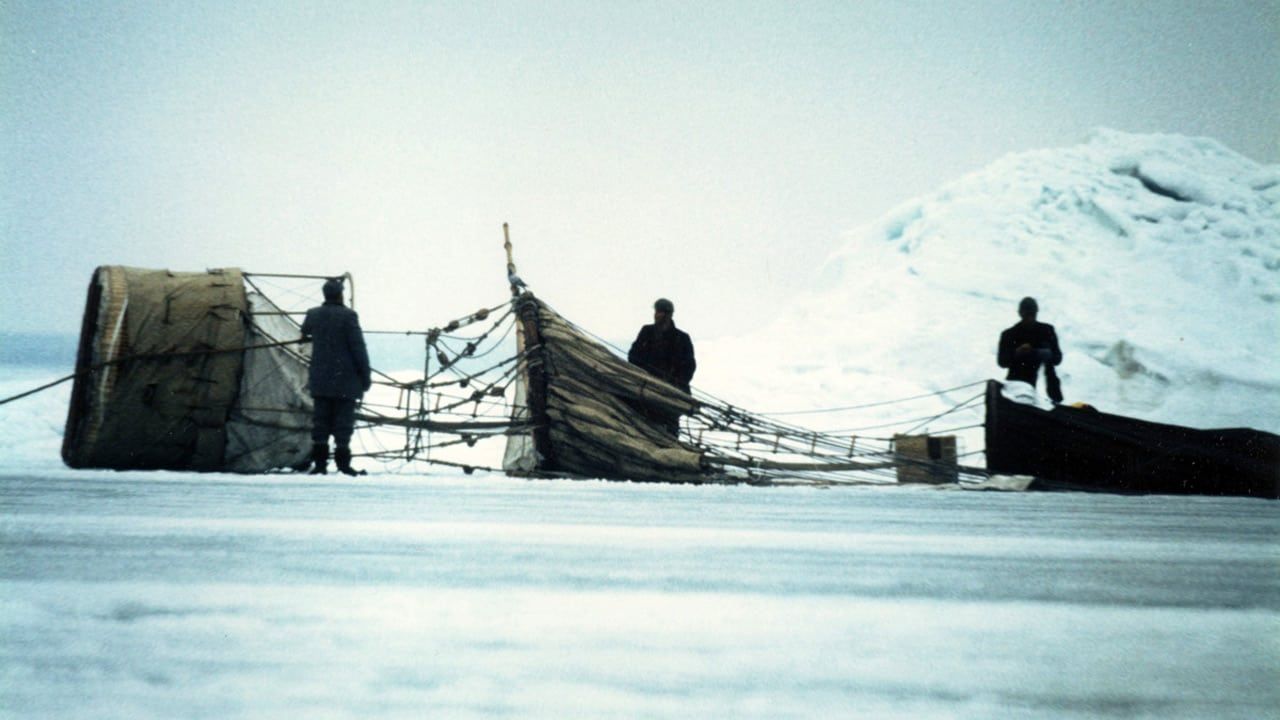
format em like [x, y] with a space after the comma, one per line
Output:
[597, 413]
[269, 425]
[163, 401]
[163, 367]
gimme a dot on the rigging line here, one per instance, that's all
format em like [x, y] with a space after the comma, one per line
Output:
[785, 429]
[277, 374]
[267, 297]
[797, 443]
[961, 406]
[289, 275]
[305, 297]
[957, 429]
[46, 386]
[438, 426]
[285, 411]
[483, 393]
[288, 350]
[497, 323]
[697, 394]
[459, 357]
[799, 446]
[807, 458]
[468, 440]
[475, 342]
[730, 412]
[141, 356]
[466, 467]
[449, 364]
[478, 373]
[875, 404]
[479, 316]
[371, 435]
[726, 418]
[497, 343]
[881, 425]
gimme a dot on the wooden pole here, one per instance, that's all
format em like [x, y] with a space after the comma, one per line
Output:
[521, 343]
[531, 370]
[536, 381]
[511, 264]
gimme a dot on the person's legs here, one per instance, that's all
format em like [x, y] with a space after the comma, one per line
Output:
[344, 424]
[322, 425]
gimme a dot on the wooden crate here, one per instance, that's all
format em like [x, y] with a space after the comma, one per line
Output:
[926, 458]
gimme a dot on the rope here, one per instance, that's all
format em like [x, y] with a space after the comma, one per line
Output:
[961, 406]
[144, 356]
[46, 386]
[876, 404]
[879, 426]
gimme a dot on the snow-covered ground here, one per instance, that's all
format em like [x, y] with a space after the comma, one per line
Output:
[163, 595]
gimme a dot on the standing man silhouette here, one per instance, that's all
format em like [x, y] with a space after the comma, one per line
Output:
[1026, 346]
[339, 376]
[666, 352]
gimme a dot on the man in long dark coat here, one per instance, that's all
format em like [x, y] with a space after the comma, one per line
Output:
[339, 376]
[1028, 345]
[666, 352]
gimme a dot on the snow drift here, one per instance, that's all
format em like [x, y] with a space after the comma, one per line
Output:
[1157, 258]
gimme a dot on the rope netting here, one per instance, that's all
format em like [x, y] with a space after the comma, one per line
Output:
[758, 447]
[464, 397]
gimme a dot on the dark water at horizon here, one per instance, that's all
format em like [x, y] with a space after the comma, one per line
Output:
[57, 351]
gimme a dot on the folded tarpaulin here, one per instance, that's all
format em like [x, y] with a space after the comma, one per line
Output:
[164, 379]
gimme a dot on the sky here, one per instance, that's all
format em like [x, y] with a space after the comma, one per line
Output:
[713, 153]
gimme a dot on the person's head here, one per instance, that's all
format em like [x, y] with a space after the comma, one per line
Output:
[1028, 308]
[333, 290]
[662, 311]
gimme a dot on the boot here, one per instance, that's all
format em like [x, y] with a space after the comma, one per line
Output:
[342, 458]
[320, 457]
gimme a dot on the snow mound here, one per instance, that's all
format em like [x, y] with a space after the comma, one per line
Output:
[1156, 257]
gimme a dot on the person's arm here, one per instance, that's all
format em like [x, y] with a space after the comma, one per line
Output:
[308, 326]
[1055, 357]
[360, 354]
[1004, 350]
[688, 363]
[638, 354]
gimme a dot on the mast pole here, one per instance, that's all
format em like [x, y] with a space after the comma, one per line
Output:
[511, 264]
[515, 290]
[531, 365]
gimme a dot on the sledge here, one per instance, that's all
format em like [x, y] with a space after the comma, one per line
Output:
[1080, 448]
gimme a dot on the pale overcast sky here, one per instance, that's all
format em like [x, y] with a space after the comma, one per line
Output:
[711, 152]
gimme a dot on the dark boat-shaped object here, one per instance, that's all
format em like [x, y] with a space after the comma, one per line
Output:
[1080, 448]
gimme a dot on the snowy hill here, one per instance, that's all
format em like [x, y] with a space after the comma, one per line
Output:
[1156, 257]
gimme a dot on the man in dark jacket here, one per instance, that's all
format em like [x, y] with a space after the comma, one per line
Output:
[666, 352]
[1028, 345]
[339, 375]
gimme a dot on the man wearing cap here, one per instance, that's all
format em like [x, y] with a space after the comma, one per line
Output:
[666, 352]
[339, 375]
[1028, 345]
